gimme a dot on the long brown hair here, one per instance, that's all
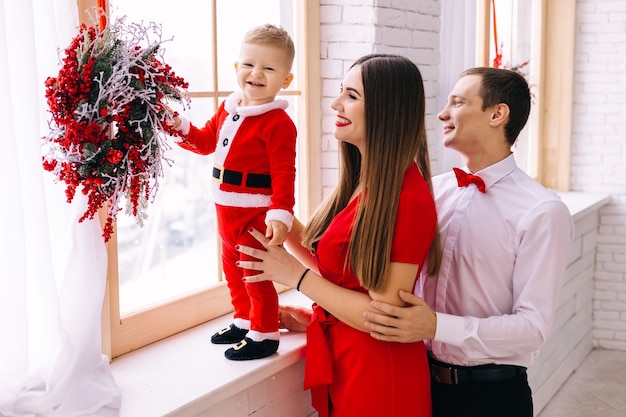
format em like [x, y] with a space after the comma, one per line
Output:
[395, 138]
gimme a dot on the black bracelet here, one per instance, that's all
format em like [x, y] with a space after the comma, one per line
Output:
[301, 278]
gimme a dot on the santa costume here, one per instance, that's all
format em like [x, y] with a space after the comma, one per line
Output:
[254, 149]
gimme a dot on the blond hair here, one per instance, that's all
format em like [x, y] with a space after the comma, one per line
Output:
[272, 35]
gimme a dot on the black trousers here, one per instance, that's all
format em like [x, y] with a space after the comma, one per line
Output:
[508, 398]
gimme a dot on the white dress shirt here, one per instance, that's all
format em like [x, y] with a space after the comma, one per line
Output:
[504, 259]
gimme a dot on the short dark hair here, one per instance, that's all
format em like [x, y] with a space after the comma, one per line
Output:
[505, 86]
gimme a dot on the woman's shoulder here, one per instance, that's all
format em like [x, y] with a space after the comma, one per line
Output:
[414, 182]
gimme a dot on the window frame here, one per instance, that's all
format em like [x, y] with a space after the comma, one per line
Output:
[123, 334]
[552, 64]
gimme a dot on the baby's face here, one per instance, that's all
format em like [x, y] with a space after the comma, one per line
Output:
[262, 71]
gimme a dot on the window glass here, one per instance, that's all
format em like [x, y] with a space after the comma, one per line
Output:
[234, 22]
[510, 47]
[187, 24]
[176, 252]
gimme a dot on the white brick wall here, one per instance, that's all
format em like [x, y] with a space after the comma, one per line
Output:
[599, 153]
[353, 28]
[571, 337]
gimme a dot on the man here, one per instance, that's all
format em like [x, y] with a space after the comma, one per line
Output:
[488, 311]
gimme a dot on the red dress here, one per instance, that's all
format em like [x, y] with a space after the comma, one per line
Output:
[350, 373]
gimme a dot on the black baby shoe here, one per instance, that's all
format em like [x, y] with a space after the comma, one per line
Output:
[229, 335]
[248, 349]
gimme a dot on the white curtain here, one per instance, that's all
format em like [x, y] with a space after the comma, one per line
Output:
[458, 52]
[52, 269]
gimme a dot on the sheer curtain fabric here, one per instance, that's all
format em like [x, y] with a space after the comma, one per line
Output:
[458, 53]
[52, 269]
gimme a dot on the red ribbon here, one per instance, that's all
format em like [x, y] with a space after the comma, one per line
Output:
[318, 373]
[497, 61]
[102, 11]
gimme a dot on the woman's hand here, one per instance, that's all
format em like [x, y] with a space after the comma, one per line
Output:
[278, 265]
[275, 263]
[294, 319]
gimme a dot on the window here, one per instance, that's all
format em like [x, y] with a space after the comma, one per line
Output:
[541, 32]
[510, 47]
[166, 277]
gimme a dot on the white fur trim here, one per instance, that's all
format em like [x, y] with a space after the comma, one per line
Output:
[228, 130]
[232, 199]
[230, 127]
[281, 215]
[259, 337]
[242, 323]
[231, 105]
[184, 126]
[232, 102]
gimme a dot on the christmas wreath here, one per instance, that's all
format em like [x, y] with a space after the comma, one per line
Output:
[109, 122]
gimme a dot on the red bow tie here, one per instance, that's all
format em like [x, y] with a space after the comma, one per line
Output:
[464, 179]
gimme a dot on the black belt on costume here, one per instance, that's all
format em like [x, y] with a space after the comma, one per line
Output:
[445, 373]
[227, 176]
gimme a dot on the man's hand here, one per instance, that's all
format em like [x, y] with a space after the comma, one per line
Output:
[415, 322]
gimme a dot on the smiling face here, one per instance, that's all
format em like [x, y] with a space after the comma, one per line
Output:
[350, 107]
[262, 71]
[477, 134]
[465, 123]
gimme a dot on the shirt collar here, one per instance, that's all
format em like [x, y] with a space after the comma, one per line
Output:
[495, 172]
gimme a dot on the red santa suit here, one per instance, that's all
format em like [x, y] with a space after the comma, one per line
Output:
[254, 173]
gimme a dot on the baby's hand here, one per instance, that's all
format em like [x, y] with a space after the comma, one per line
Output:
[277, 232]
[174, 120]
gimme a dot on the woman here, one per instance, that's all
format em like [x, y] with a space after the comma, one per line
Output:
[367, 241]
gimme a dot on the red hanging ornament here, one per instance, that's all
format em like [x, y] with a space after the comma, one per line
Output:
[102, 10]
[497, 61]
